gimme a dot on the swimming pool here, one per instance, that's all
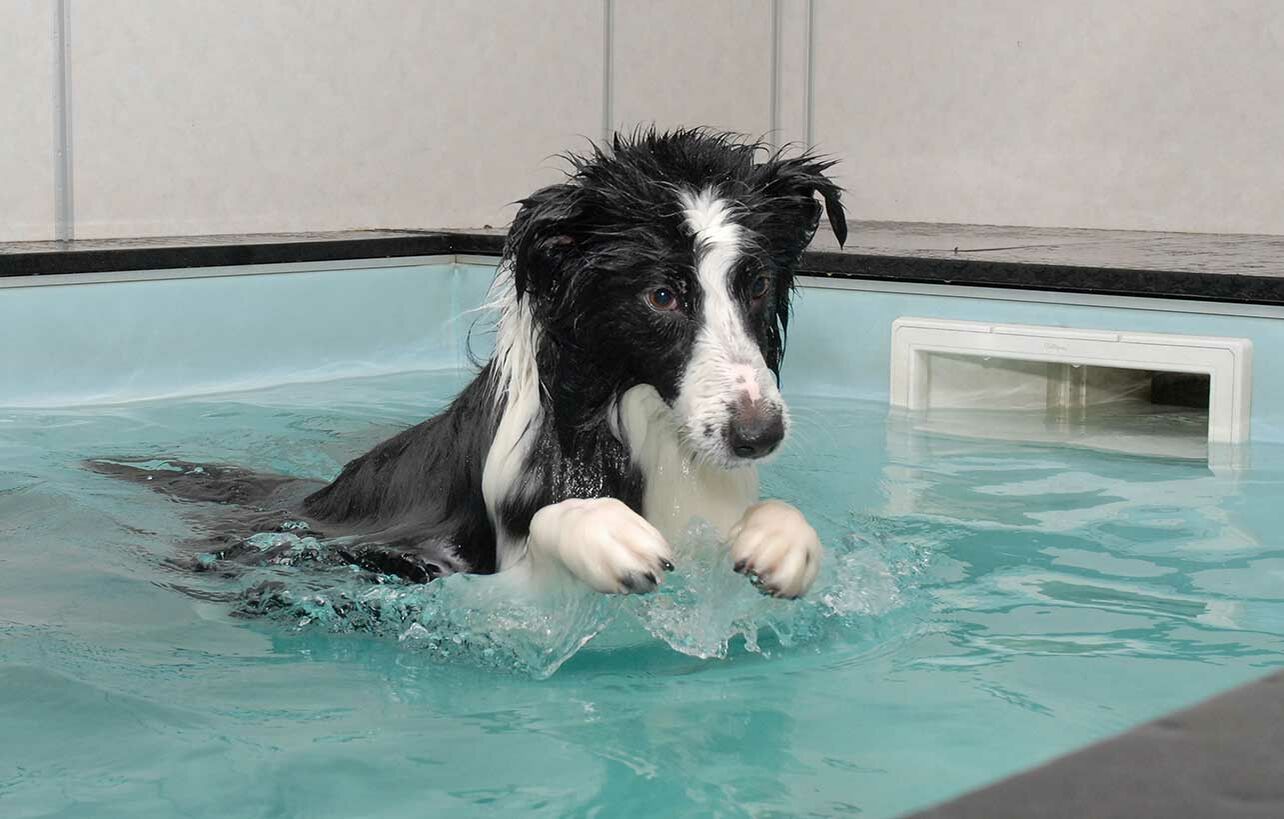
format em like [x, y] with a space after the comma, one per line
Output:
[986, 605]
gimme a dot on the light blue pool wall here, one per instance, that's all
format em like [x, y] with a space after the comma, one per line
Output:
[105, 341]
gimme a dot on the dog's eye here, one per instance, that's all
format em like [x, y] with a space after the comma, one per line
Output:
[759, 287]
[662, 299]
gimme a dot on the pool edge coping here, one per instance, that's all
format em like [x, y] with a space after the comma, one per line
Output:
[88, 257]
[1218, 758]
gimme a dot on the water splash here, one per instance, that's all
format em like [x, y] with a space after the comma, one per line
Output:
[705, 608]
[491, 621]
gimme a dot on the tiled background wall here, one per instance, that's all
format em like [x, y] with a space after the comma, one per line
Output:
[26, 120]
[192, 116]
[1142, 114]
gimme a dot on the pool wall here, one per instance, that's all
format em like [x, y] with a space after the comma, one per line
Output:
[136, 335]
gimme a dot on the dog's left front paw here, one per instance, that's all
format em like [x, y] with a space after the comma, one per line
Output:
[777, 548]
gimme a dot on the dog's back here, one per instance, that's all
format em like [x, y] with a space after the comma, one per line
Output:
[422, 487]
[410, 507]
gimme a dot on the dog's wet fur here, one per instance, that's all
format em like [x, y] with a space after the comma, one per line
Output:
[657, 275]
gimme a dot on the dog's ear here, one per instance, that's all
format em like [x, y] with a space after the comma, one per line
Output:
[800, 179]
[542, 238]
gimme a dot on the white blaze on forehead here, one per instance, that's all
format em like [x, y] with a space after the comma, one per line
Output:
[709, 218]
[726, 365]
[717, 247]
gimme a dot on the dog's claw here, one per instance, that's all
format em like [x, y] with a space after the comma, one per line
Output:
[639, 582]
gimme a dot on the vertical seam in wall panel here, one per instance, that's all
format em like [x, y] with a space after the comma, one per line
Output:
[810, 96]
[64, 215]
[774, 123]
[608, 78]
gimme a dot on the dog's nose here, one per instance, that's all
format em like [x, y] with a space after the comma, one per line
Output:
[756, 428]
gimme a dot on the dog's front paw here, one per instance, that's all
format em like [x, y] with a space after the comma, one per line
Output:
[777, 548]
[602, 542]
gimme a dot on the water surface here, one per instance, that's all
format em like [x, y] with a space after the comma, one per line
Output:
[984, 606]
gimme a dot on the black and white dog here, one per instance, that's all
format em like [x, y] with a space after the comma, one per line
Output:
[642, 311]
[643, 305]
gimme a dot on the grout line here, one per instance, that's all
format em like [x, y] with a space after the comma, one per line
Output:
[774, 104]
[809, 96]
[608, 75]
[64, 214]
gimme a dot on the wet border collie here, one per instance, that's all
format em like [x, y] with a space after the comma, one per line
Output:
[642, 310]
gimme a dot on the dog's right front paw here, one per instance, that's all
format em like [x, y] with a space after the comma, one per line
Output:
[602, 542]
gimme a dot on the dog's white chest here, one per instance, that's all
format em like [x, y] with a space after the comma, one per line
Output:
[679, 489]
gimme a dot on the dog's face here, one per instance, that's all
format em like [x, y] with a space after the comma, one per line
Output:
[670, 263]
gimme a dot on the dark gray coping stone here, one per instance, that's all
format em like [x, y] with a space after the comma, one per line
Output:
[1221, 758]
[87, 256]
[1206, 267]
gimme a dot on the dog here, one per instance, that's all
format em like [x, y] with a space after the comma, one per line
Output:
[642, 305]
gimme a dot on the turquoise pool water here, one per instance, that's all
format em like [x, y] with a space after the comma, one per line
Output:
[985, 606]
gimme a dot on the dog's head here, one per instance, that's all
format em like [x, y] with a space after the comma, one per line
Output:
[668, 260]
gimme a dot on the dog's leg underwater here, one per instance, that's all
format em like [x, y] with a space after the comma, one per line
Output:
[203, 483]
[233, 505]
